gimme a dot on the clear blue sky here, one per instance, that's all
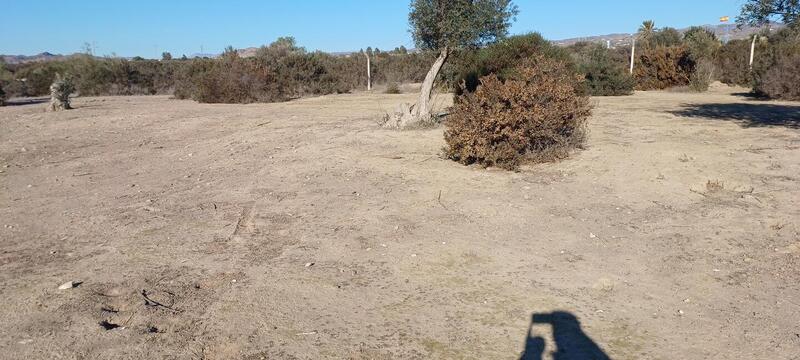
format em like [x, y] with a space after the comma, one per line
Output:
[148, 27]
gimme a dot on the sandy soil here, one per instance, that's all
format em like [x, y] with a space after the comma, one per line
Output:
[301, 231]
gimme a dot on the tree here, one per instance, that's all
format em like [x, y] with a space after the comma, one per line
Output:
[166, 56]
[702, 43]
[646, 31]
[759, 12]
[444, 26]
[666, 37]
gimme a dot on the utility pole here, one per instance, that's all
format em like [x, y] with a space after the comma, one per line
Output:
[369, 73]
[753, 50]
[633, 52]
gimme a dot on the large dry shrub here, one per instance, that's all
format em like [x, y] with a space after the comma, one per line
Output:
[782, 79]
[536, 115]
[663, 67]
[776, 71]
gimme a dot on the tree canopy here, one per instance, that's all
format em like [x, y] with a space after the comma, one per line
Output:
[437, 24]
[759, 12]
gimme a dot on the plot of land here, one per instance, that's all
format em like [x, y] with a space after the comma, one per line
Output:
[303, 230]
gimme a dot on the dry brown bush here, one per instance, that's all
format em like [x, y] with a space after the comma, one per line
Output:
[782, 80]
[536, 115]
[663, 67]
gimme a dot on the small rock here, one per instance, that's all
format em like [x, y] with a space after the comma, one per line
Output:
[309, 264]
[591, 235]
[68, 285]
[413, 255]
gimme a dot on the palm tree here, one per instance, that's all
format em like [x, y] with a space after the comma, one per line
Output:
[647, 30]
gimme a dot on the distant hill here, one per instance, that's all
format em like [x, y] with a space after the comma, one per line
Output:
[21, 59]
[730, 32]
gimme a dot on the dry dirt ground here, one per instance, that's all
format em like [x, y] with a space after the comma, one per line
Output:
[301, 230]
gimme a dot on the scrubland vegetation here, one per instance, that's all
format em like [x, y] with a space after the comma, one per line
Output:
[282, 70]
[504, 113]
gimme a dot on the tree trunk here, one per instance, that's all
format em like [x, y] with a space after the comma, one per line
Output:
[406, 115]
[423, 109]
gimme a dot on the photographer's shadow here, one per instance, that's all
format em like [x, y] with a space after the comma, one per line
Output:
[571, 342]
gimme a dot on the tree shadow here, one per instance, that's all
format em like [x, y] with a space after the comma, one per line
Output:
[571, 342]
[26, 101]
[746, 115]
[752, 96]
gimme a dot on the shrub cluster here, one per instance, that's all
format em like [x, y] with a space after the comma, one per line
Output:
[775, 70]
[605, 70]
[663, 67]
[277, 72]
[732, 61]
[97, 76]
[536, 114]
[776, 74]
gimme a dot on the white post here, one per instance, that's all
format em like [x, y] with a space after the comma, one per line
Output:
[633, 51]
[369, 73]
[753, 50]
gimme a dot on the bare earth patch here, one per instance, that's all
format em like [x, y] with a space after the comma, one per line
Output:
[303, 230]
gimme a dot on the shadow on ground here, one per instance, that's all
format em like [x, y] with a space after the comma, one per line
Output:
[26, 101]
[571, 342]
[746, 115]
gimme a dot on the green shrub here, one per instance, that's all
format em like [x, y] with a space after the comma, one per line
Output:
[537, 114]
[2, 95]
[501, 58]
[663, 67]
[666, 37]
[605, 74]
[732, 62]
[701, 43]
